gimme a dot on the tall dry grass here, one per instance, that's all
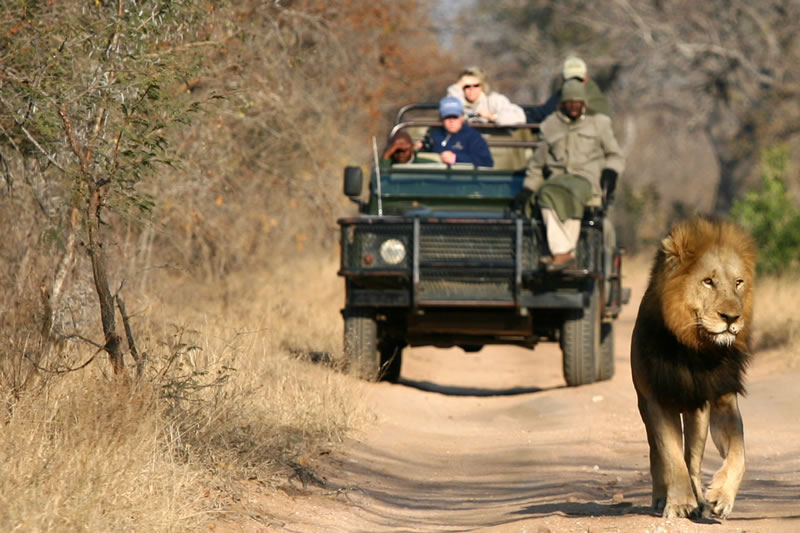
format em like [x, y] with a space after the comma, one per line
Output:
[87, 454]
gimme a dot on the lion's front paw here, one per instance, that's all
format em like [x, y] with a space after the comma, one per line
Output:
[720, 501]
[687, 509]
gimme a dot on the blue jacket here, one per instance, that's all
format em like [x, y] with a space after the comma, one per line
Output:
[467, 144]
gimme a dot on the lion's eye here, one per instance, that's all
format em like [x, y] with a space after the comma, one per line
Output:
[708, 282]
[739, 283]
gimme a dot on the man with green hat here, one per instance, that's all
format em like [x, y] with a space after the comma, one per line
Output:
[577, 158]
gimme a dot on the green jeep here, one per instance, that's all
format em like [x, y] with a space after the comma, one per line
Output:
[437, 258]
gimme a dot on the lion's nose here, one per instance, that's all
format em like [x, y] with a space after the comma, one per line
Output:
[729, 319]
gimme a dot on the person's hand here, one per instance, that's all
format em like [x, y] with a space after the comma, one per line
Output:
[400, 151]
[487, 115]
[448, 157]
[521, 200]
[608, 182]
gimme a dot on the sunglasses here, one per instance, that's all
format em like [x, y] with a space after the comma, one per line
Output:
[473, 86]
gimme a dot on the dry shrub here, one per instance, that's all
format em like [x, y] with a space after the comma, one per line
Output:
[275, 405]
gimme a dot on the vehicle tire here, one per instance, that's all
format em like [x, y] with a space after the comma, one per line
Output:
[580, 341]
[605, 363]
[361, 343]
[391, 361]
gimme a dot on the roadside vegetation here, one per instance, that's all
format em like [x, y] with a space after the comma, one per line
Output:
[169, 309]
[170, 177]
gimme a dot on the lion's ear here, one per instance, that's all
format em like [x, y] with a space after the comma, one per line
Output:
[677, 247]
[671, 249]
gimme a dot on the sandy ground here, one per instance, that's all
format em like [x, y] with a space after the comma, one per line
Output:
[494, 441]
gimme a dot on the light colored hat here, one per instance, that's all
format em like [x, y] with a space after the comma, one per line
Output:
[574, 67]
[573, 90]
[450, 107]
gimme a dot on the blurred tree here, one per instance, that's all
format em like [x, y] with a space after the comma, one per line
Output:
[308, 84]
[724, 67]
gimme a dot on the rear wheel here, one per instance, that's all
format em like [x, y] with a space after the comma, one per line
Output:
[605, 364]
[580, 341]
[361, 343]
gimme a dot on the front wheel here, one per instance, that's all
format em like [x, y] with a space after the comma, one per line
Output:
[580, 341]
[361, 343]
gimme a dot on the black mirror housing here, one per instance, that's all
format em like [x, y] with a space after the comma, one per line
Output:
[353, 179]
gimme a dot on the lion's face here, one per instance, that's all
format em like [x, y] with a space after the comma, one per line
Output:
[716, 296]
[708, 291]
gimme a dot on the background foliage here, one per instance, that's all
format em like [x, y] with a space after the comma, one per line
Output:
[772, 216]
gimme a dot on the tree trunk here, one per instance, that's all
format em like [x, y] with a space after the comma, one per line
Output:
[97, 254]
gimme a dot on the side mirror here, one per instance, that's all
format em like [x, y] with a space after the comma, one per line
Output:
[353, 179]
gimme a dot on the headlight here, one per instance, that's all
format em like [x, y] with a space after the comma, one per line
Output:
[392, 251]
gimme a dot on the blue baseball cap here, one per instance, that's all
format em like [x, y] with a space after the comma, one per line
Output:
[450, 106]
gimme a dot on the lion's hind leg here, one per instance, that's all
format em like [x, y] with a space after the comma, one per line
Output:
[727, 432]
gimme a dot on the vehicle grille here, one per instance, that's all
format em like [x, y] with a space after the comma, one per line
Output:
[462, 262]
[487, 245]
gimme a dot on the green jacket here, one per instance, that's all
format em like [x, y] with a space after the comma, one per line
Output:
[581, 148]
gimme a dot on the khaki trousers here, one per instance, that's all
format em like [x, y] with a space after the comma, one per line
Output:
[562, 236]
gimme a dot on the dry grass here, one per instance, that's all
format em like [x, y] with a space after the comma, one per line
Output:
[225, 398]
[776, 325]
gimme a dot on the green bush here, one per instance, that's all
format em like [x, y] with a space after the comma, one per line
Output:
[772, 216]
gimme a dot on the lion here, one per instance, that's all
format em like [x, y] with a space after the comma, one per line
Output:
[689, 352]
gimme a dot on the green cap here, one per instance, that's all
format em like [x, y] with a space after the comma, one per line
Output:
[573, 90]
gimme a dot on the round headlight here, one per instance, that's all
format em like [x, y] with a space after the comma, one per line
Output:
[393, 251]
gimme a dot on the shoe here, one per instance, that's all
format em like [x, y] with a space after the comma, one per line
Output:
[562, 261]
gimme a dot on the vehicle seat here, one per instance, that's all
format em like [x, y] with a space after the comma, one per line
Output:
[509, 157]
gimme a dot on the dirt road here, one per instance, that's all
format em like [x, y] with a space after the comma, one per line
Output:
[494, 441]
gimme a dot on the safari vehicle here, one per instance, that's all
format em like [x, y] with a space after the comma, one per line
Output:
[437, 258]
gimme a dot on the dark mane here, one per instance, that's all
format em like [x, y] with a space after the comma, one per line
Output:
[685, 378]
